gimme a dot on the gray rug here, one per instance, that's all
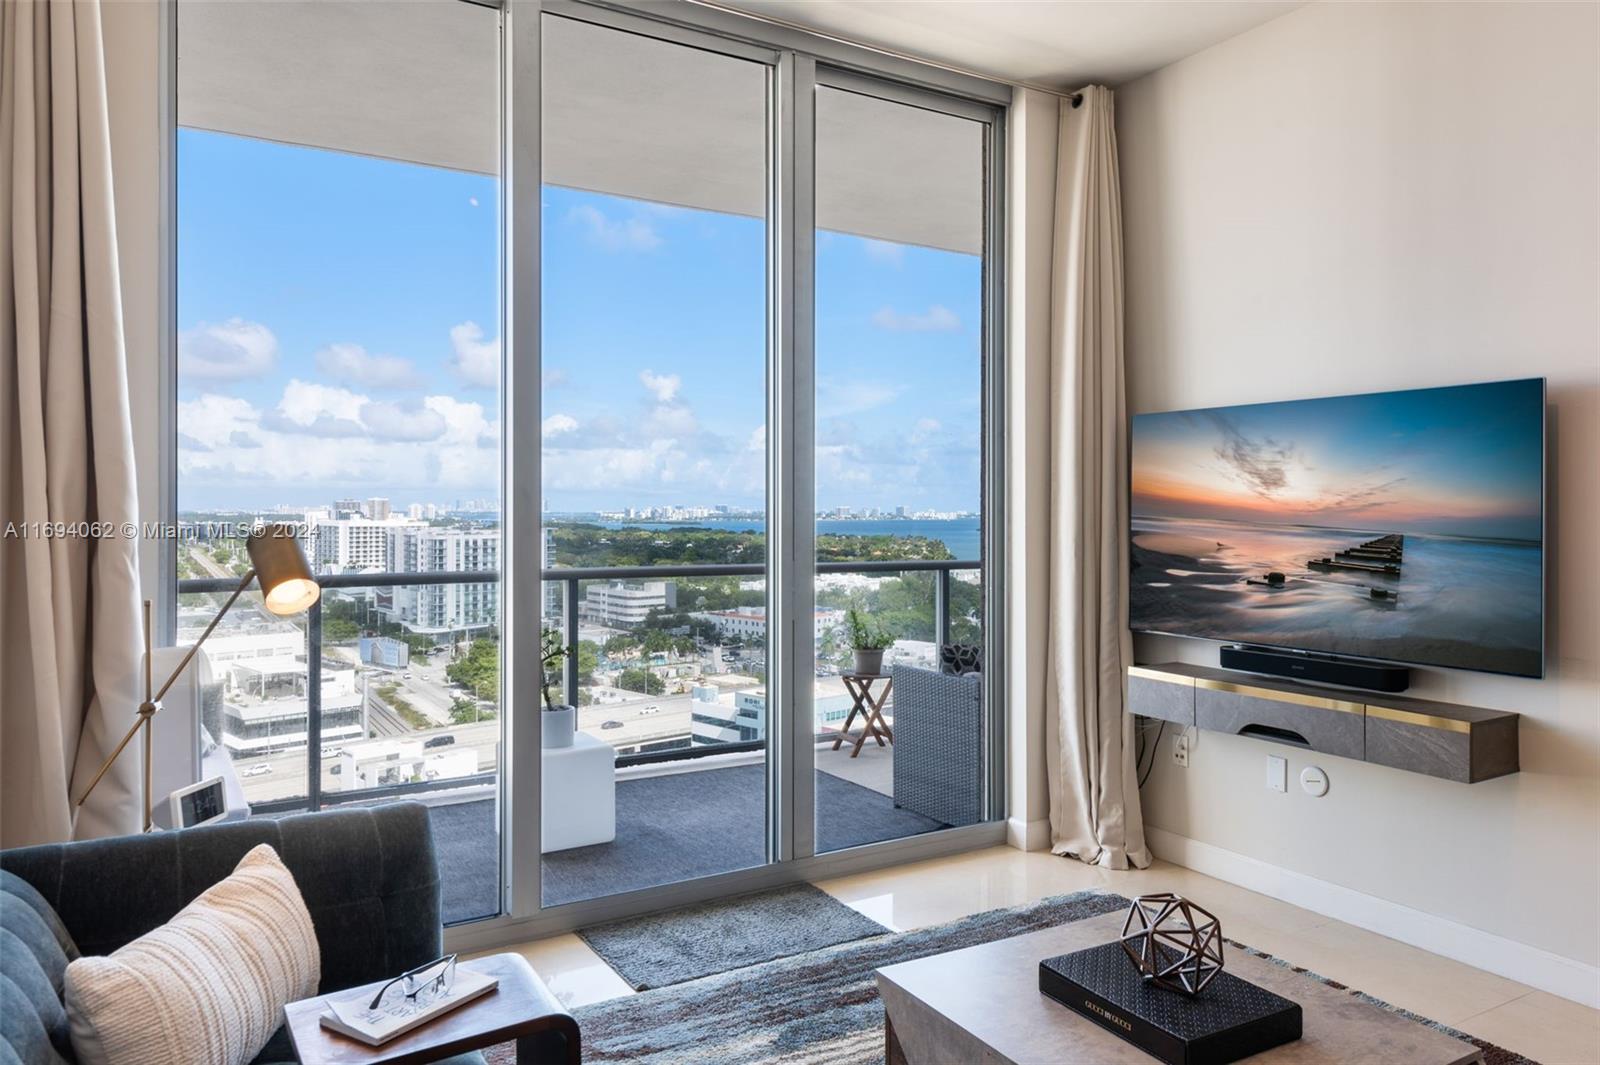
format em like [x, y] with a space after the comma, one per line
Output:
[822, 1008]
[819, 1008]
[716, 937]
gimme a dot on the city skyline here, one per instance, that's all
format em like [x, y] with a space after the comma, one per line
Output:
[361, 322]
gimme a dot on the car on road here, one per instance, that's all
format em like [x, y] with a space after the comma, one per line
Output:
[440, 741]
[612, 724]
[334, 771]
[406, 674]
[332, 752]
[258, 770]
[651, 709]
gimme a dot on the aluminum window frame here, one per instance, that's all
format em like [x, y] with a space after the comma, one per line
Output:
[799, 62]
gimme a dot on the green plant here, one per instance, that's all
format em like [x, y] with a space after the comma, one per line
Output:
[552, 652]
[864, 633]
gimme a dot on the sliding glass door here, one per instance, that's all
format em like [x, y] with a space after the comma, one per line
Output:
[899, 468]
[621, 323]
[338, 368]
[654, 382]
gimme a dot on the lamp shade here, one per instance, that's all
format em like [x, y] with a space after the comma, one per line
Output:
[287, 586]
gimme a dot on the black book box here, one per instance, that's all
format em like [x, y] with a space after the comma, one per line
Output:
[1229, 1020]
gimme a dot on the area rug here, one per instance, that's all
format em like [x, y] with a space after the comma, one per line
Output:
[714, 937]
[822, 1008]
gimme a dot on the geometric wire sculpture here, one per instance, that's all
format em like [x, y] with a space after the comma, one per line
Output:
[1173, 943]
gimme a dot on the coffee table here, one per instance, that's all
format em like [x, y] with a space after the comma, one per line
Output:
[520, 1009]
[983, 1005]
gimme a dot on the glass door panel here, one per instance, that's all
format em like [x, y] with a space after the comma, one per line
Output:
[338, 289]
[654, 361]
[899, 469]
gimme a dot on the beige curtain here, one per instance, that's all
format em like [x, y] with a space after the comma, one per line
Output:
[1094, 793]
[69, 615]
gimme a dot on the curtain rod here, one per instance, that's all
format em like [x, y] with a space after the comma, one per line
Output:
[1075, 98]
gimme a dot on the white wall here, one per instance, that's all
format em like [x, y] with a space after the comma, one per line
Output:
[1031, 133]
[1364, 197]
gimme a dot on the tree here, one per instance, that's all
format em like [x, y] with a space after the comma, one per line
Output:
[588, 660]
[479, 669]
[641, 680]
[339, 630]
[468, 711]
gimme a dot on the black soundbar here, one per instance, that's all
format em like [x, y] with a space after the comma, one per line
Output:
[1322, 669]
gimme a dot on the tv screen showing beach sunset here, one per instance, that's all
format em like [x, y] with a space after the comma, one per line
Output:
[1405, 526]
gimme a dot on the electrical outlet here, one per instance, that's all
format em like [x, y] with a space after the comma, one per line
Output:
[1277, 773]
[1180, 750]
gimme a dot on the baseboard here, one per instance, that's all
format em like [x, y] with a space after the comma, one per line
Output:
[1028, 835]
[1525, 964]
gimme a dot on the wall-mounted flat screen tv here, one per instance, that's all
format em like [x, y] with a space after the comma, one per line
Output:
[1403, 526]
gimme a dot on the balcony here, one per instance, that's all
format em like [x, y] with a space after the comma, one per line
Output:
[690, 797]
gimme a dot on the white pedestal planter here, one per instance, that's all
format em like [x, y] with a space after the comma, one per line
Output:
[578, 795]
[556, 727]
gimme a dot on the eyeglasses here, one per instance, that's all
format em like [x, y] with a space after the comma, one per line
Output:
[413, 990]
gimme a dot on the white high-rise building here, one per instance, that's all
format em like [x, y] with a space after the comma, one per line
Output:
[350, 545]
[442, 608]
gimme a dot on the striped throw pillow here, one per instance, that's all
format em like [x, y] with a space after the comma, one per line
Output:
[209, 985]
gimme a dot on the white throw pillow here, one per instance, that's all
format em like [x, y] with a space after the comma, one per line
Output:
[209, 985]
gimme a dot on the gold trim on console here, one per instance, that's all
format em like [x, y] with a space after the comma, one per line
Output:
[1273, 694]
[1146, 673]
[1413, 717]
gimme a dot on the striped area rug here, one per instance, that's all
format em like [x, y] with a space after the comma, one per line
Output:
[822, 1008]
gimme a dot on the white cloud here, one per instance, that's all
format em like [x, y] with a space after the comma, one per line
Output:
[556, 378]
[838, 398]
[881, 251]
[758, 439]
[557, 424]
[402, 421]
[663, 386]
[440, 442]
[474, 359]
[624, 234]
[317, 410]
[226, 351]
[937, 319]
[352, 364]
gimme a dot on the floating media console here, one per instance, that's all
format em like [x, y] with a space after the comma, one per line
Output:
[1461, 743]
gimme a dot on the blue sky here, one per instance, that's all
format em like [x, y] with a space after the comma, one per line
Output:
[338, 322]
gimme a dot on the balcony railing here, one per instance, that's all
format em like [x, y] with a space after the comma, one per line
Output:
[571, 579]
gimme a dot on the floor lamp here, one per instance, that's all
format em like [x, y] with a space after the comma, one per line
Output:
[287, 588]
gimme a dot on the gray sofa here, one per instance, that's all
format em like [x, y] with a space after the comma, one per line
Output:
[939, 744]
[367, 875]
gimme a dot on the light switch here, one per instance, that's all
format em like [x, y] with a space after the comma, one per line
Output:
[1277, 773]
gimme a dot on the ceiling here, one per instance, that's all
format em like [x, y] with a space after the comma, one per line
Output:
[1064, 44]
[658, 122]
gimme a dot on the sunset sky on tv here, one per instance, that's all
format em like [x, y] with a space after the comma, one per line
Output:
[1460, 461]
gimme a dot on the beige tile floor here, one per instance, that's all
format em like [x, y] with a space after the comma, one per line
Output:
[1539, 1025]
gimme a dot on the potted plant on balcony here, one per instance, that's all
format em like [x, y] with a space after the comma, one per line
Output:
[868, 639]
[559, 721]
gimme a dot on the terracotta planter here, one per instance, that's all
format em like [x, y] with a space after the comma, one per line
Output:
[557, 726]
[869, 661]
